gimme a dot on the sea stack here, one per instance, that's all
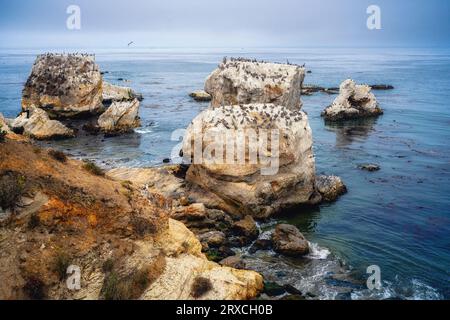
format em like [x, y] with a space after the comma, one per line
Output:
[64, 85]
[242, 81]
[284, 178]
[354, 101]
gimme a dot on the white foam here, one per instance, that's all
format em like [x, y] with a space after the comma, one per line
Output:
[143, 130]
[419, 291]
[316, 252]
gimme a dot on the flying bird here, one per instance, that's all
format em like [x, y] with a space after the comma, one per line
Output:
[130, 43]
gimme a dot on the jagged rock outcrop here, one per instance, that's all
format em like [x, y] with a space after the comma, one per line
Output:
[354, 101]
[289, 241]
[240, 81]
[35, 123]
[200, 95]
[64, 85]
[183, 266]
[120, 117]
[113, 93]
[125, 244]
[330, 187]
[241, 184]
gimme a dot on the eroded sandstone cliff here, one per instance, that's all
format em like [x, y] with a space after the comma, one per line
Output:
[57, 212]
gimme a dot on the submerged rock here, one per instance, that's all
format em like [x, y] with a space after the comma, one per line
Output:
[261, 244]
[282, 177]
[64, 85]
[200, 95]
[273, 289]
[35, 123]
[240, 81]
[369, 167]
[330, 187]
[354, 101]
[120, 117]
[289, 241]
[381, 87]
[308, 90]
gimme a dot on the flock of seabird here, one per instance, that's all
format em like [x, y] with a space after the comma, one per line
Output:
[244, 65]
[54, 76]
[261, 116]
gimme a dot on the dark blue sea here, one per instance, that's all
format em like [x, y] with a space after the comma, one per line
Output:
[397, 218]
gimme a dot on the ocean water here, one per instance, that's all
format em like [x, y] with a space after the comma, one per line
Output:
[397, 218]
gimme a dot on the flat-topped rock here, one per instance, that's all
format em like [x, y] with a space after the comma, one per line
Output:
[282, 176]
[200, 95]
[64, 85]
[240, 81]
[113, 93]
[35, 123]
[120, 117]
[353, 101]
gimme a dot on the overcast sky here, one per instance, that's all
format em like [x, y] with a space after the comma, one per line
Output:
[231, 23]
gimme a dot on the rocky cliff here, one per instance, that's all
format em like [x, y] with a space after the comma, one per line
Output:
[57, 212]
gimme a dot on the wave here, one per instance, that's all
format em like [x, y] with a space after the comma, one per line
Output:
[413, 289]
[143, 130]
[317, 252]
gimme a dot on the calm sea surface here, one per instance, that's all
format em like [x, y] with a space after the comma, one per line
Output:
[397, 218]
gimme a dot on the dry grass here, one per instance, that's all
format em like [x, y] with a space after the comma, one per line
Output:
[2, 134]
[57, 155]
[93, 168]
[200, 287]
[34, 221]
[60, 264]
[34, 288]
[12, 187]
[134, 285]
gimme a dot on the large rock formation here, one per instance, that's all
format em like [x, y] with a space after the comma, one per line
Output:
[354, 101]
[120, 117]
[64, 85]
[124, 244]
[35, 123]
[239, 81]
[272, 164]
